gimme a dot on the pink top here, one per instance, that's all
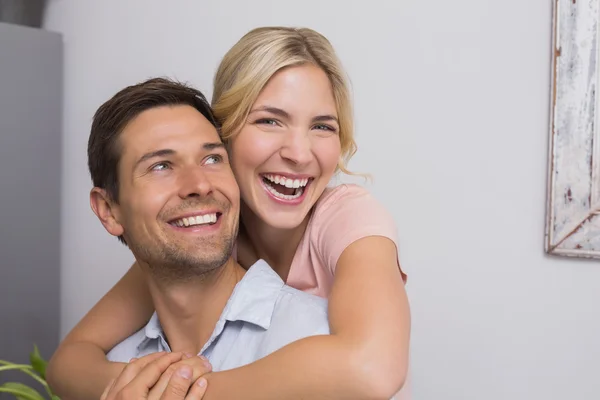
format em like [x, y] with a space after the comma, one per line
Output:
[343, 215]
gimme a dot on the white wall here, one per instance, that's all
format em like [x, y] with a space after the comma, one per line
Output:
[452, 111]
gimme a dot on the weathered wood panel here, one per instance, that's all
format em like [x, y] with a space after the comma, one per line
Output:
[573, 221]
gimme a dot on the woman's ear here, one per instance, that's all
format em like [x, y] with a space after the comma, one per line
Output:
[107, 211]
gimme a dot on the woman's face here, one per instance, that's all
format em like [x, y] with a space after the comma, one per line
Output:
[287, 151]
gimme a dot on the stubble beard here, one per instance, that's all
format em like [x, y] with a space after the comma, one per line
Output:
[171, 263]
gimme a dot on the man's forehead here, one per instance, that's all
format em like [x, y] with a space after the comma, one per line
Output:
[173, 127]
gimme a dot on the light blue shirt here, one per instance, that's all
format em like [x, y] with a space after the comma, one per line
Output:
[261, 316]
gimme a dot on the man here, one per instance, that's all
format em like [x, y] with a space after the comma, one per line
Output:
[163, 186]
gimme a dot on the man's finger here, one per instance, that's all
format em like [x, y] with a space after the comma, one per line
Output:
[179, 384]
[197, 390]
[149, 376]
[200, 366]
[130, 371]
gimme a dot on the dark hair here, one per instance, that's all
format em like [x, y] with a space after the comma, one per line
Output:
[113, 116]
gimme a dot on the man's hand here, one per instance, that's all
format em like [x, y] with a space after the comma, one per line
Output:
[175, 382]
[168, 376]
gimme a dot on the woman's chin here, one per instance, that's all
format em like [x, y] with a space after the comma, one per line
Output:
[284, 222]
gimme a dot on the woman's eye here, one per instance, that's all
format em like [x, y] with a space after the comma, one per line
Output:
[160, 166]
[322, 127]
[214, 159]
[267, 121]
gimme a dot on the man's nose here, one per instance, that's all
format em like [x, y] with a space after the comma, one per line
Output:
[194, 182]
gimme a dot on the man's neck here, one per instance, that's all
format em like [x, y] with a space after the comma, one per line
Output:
[189, 311]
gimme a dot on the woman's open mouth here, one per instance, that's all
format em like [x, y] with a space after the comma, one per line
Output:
[285, 188]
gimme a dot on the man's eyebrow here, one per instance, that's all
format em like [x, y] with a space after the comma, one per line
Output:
[272, 110]
[213, 146]
[153, 154]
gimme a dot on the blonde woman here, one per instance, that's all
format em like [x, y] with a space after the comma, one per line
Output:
[283, 101]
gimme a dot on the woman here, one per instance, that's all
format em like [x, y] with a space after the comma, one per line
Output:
[284, 105]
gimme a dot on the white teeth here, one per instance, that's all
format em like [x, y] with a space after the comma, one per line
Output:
[197, 220]
[288, 183]
[299, 184]
[285, 196]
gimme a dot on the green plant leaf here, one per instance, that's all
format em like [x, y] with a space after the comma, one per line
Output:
[55, 397]
[21, 391]
[37, 362]
[21, 367]
[27, 369]
[2, 362]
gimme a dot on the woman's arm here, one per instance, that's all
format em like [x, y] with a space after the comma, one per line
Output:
[79, 368]
[366, 355]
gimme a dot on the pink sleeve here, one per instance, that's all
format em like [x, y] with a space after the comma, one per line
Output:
[347, 214]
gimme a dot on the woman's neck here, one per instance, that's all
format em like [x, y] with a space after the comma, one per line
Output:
[274, 245]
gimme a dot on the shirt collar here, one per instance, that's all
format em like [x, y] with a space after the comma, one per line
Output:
[254, 297]
[153, 331]
[253, 300]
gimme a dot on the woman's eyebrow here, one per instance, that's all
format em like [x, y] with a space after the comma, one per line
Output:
[326, 118]
[273, 110]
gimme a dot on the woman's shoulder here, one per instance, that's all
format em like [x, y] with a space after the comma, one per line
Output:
[347, 200]
[350, 207]
[345, 214]
[341, 195]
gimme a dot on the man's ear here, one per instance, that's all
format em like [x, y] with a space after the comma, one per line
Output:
[106, 211]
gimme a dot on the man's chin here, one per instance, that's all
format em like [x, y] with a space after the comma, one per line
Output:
[182, 265]
[184, 260]
[180, 270]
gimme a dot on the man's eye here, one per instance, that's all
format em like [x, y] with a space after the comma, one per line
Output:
[214, 159]
[161, 166]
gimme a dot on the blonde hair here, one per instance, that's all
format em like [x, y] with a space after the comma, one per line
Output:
[260, 54]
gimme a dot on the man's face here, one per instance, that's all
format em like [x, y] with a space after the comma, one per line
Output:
[178, 199]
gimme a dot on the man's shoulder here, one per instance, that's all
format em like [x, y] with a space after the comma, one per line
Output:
[296, 315]
[284, 302]
[298, 298]
[304, 310]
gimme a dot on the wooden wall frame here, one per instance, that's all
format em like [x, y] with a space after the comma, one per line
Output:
[573, 196]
